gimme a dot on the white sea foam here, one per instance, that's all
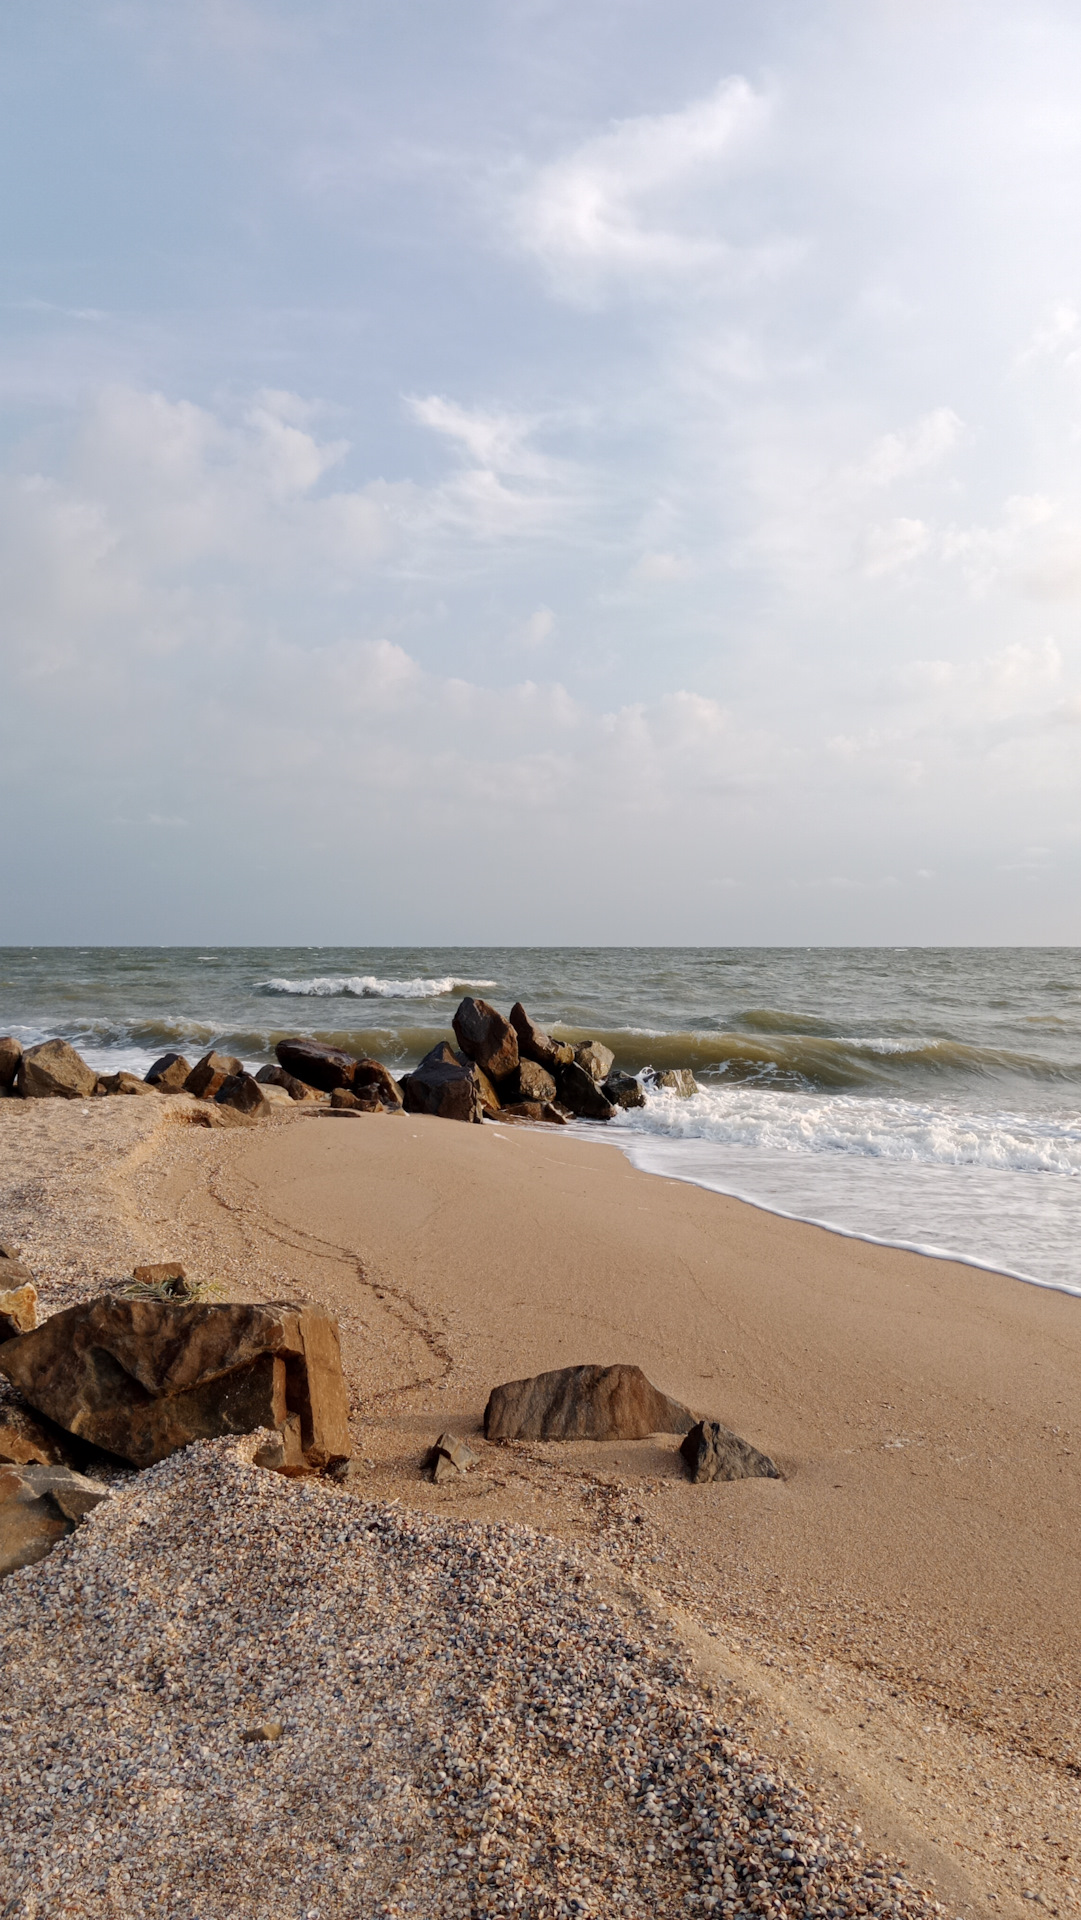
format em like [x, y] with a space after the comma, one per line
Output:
[368, 986]
[905, 1131]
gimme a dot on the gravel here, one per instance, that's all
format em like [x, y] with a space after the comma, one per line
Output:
[229, 1694]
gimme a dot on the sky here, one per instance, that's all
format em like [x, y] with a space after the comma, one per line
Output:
[540, 472]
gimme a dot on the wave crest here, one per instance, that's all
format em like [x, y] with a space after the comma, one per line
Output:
[368, 986]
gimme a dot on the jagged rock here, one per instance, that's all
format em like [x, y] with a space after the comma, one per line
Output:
[317, 1066]
[19, 1303]
[242, 1092]
[144, 1377]
[169, 1073]
[579, 1091]
[484, 1035]
[713, 1452]
[210, 1073]
[442, 1086]
[672, 1080]
[536, 1110]
[275, 1076]
[123, 1083]
[283, 1452]
[449, 1459]
[583, 1403]
[38, 1506]
[54, 1071]
[26, 1440]
[490, 1100]
[344, 1100]
[623, 1090]
[535, 1044]
[372, 1077]
[595, 1057]
[534, 1082]
[10, 1054]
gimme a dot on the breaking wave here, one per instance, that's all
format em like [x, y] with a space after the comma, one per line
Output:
[368, 986]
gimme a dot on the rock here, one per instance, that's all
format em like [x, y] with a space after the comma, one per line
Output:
[8, 1252]
[535, 1044]
[144, 1377]
[277, 1096]
[242, 1092]
[596, 1058]
[372, 1077]
[266, 1730]
[489, 1098]
[18, 1304]
[484, 1035]
[274, 1076]
[169, 1073]
[210, 1073]
[449, 1459]
[343, 1098]
[712, 1452]
[672, 1080]
[123, 1083]
[10, 1055]
[537, 1111]
[26, 1441]
[53, 1070]
[623, 1090]
[583, 1403]
[38, 1506]
[167, 1277]
[579, 1091]
[283, 1452]
[317, 1066]
[534, 1082]
[442, 1086]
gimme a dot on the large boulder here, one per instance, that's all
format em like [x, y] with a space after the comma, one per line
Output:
[534, 1082]
[275, 1076]
[484, 1035]
[18, 1300]
[38, 1506]
[210, 1073]
[169, 1073]
[372, 1081]
[54, 1071]
[713, 1452]
[491, 1102]
[243, 1092]
[10, 1054]
[595, 1057]
[535, 1044]
[579, 1091]
[443, 1087]
[583, 1403]
[144, 1377]
[321, 1067]
[623, 1090]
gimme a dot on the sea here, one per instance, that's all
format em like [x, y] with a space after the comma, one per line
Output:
[921, 1097]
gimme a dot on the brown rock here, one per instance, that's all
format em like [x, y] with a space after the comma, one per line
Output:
[596, 1058]
[537, 1111]
[442, 1086]
[713, 1452]
[27, 1441]
[583, 1403]
[283, 1452]
[167, 1277]
[673, 1080]
[169, 1074]
[344, 1099]
[144, 1377]
[484, 1035]
[372, 1077]
[38, 1506]
[489, 1098]
[243, 1092]
[209, 1074]
[623, 1090]
[53, 1070]
[579, 1091]
[275, 1076]
[10, 1054]
[18, 1304]
[535, 1082]
[535, 1044]
[123, 1083]
[317, 1066]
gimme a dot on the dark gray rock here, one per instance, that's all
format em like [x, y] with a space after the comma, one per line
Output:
[317, 1066]
[535, 1044]
[449, 1459]
[583, 1403]
[442, 1086]
[484, 1036]
[242, 1092]
[713, 1452]
[579, 1091]
[623, 1090]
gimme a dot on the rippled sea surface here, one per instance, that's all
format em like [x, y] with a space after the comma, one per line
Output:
[930, 1097]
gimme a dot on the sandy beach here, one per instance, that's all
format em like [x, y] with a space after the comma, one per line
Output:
[894, 1624]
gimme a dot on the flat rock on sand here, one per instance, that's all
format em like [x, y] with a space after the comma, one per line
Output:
[464, 1729]
[583, 1403]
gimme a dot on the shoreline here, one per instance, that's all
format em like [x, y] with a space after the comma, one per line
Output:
[833, 1613]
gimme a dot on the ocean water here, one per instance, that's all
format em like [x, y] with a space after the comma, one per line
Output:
[923, 1097]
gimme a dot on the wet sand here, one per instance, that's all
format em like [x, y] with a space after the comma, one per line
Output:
[896, 1621]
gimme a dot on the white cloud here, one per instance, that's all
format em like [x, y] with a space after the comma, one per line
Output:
[911, 449]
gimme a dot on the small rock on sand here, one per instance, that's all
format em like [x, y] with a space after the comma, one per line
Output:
[583, 1403]
[713, 1452]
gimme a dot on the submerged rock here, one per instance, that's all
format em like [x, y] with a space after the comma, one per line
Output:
[623, 1090]
[672, 1080]
[54, 1071]
[583, 1403]
[713, 1452]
